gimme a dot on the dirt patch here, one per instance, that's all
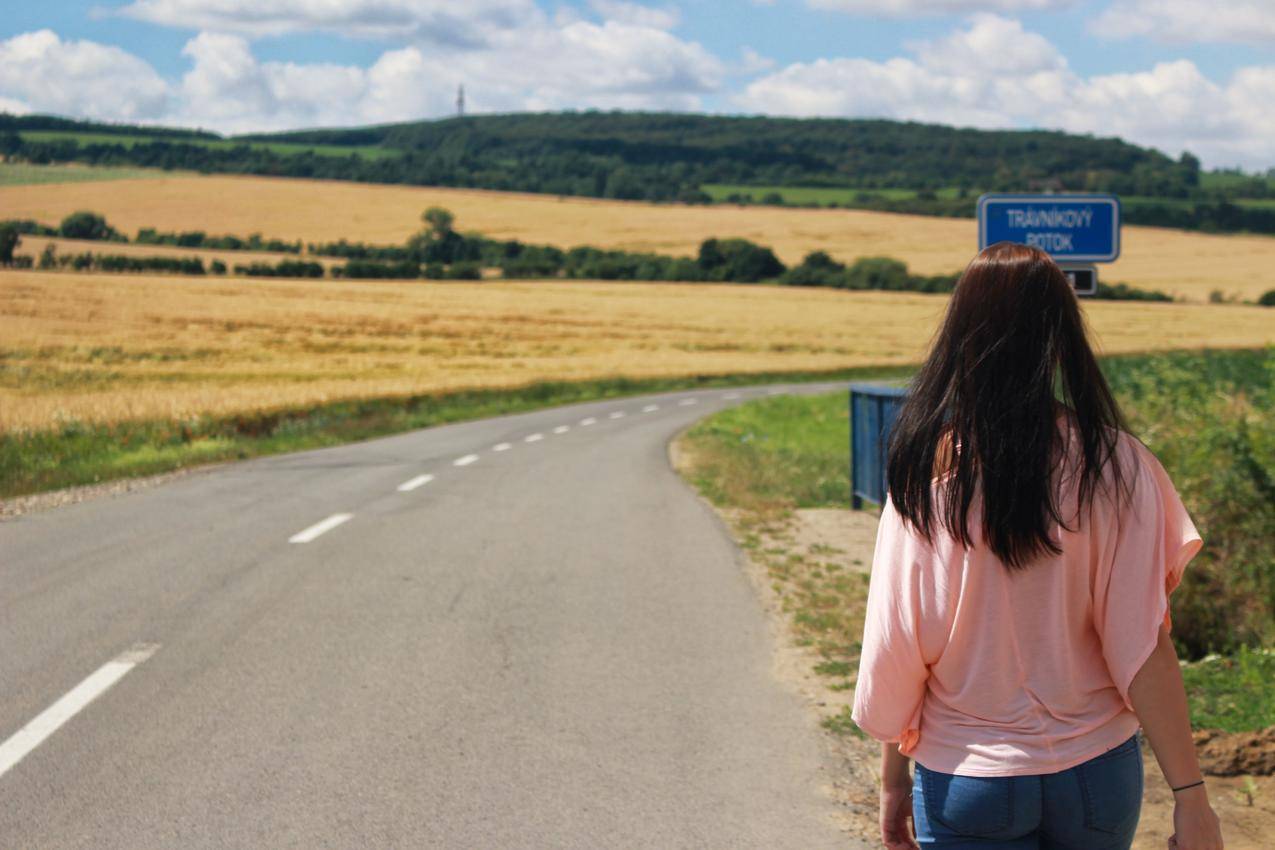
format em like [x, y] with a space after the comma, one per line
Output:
[1236, 753]
[1244, 804]
[849, 534]
[846, 539]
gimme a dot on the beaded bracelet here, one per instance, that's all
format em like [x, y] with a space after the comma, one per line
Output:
[1184, 787]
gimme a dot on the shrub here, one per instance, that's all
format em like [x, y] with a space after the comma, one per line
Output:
[199, 239]
[817, 269]
[1267, 298]
[28, 227]
[878, 273]
[1210, 419]
[122, 263]
[1125, 292]
[464, 271]
[372, 270]
[737, 260]
[9, 239]
[283, 268]
[88, 225]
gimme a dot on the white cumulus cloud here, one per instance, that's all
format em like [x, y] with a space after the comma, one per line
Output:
[40, 71]
[579, 64]
[460, 22]
[994, 74]
[913, 8]
[991, 44]
[1189, 21]
[663, 18]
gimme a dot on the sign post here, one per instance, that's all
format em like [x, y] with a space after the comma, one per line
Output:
[1076, 230]
[1084, 279]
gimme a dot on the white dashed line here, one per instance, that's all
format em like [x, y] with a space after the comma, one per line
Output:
[616, 414]
[687, 401]
[319, 528]
[500, 447]
[650, 408]
[411, 484]
[464, 461]
[731, 395]
[531, 438]
[47, 722]
[562, 429]
[588, 421]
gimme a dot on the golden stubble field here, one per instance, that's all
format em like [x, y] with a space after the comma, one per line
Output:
[1186, 264]
[105, 348]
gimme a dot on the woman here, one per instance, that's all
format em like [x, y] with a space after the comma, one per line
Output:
[1017, 625]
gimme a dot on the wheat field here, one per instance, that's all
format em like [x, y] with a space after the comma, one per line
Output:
[1186, 264]
[106, 348]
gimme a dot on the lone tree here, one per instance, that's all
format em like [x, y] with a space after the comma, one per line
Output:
[440, 221]
[439, 242]
[9, 239]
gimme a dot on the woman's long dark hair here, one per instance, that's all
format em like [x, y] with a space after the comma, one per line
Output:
[1012, 338]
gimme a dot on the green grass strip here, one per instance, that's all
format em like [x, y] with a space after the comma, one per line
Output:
[79, 453]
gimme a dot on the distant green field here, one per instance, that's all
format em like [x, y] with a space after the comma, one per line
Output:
[284, 148]
[25, 174]
[1129, 201]
[1228, 180]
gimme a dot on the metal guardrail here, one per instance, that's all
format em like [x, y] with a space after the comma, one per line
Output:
[873, 408]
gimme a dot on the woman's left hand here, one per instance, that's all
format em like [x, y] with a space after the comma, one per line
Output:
[896, 817]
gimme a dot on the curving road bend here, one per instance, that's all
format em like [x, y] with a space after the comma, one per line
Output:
[524, 631]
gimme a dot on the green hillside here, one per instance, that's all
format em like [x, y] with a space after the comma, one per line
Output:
[875, 164]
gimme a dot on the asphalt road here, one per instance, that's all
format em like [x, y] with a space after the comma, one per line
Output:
[551, 644]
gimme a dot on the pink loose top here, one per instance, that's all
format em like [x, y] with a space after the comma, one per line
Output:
[976, 671]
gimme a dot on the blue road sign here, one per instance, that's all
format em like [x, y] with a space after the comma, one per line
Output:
[1071, 228]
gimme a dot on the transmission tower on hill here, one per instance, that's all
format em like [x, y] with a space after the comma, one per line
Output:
[460, 101]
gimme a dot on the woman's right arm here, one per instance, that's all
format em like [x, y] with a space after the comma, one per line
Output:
[1159, 699]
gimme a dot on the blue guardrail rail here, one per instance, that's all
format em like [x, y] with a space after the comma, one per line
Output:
[873, 408]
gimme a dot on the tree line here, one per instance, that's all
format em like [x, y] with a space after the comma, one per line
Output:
[438, 251]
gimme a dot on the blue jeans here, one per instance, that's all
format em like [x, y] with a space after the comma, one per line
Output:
[1092, 806]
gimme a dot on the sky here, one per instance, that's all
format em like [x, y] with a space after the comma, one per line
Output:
[1196, 75]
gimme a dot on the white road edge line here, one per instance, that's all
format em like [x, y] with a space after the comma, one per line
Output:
[687, 401]
[731, 395]
[562, 429]
[588, 421]
[531, 438]
[47, 722]
[616, 414]
[411, 484]
[464, 461]
[319, 528]
[500, 447]
[650, 408]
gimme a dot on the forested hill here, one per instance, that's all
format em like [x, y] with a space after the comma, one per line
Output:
[875, 164]
[641, 155]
